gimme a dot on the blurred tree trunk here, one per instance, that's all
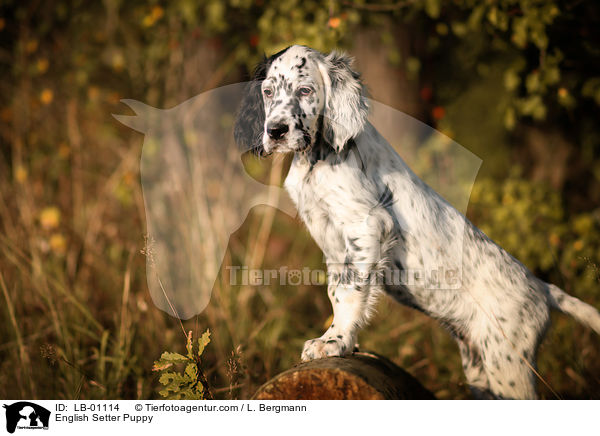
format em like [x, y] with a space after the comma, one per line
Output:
[387, 83]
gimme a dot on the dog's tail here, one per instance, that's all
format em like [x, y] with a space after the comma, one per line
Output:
[582, 312]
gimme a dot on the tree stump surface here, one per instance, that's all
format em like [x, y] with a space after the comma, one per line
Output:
[361, 376]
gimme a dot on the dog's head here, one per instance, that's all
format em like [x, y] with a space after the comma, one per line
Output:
[298, 95]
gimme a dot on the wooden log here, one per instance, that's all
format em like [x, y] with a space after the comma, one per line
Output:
[361, 376]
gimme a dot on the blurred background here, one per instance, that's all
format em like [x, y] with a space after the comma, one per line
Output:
[517, 82]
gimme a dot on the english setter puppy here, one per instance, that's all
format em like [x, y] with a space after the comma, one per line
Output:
[370, 214]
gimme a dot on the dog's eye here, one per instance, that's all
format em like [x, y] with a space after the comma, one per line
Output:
[268, 92]
[304, 91]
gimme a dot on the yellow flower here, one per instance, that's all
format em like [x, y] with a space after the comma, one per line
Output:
[20, 174]
[334, 22]
[50, 217]
[157, 12]
[147, 21]
[554, 239]
[562, 92]
[118, 61]
[42, 65]
[47, 96]
[578, 245]
[58, 244]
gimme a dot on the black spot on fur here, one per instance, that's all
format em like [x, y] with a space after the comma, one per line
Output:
[251, 114]
[353, 244]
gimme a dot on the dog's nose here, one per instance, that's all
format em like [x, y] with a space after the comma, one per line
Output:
[277, 131]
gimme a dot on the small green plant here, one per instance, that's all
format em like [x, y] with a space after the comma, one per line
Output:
[185, 380]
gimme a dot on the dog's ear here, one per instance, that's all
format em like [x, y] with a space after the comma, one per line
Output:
[346, 107]
[250, 120]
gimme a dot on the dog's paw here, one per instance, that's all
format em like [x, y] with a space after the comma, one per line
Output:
[325, 347]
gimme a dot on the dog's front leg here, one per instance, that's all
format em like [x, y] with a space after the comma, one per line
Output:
[340, 337]
[352, 289]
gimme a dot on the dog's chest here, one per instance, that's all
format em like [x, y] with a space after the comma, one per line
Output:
[314, 189]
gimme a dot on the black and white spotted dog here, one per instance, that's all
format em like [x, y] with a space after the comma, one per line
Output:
[370, 213]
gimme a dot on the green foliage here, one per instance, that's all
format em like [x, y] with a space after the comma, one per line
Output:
[541, 74]
[190, 383]
[530, 61]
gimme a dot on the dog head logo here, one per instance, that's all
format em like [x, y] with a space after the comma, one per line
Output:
[26, 415]
[197, 192]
